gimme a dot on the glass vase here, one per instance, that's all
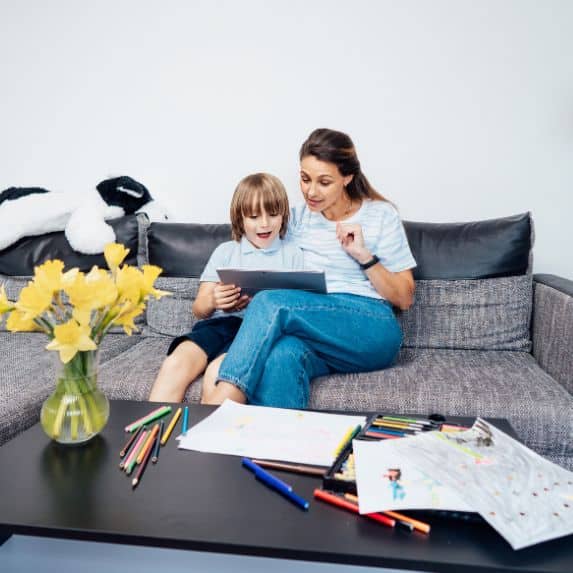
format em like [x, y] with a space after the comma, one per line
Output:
[77, 410]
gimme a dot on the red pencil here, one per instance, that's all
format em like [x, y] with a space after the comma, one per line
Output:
[338, 501]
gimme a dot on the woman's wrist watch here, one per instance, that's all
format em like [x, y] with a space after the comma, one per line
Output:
[370, 263]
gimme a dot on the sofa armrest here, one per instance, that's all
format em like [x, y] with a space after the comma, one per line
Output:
[552, 327]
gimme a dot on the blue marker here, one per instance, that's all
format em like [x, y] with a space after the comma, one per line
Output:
[185, 419]
[266, 476]
[274, 483]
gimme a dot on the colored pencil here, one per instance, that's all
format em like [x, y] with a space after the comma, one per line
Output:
[381, 435]
[130, 442]
[400, 433]
[155, 456]
[147, 444]
[348, 437]
[134, 450]
[397, 426]
[143, 417]
[295, 468]
[158, 413]
[416, 524]
[409, 420]
[185, 420]
[143, 465]
[170, 427]
[344, 504]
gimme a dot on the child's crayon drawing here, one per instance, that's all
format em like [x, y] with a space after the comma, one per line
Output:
[522, 495]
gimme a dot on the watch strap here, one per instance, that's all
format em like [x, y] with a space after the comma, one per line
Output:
[369, 263]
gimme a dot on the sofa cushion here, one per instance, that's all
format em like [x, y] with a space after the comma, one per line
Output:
[172, 315]
[131, 374]
[20, 258]
[28, 375]
[488, 314]
[466, 383]
[183, 249]
[475, 250]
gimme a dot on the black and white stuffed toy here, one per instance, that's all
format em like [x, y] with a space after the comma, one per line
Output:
[34, 211]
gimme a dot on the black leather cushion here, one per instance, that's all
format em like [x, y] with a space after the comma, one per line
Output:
[474, 250]
[447, 251]
[20, 258]
[183, 249]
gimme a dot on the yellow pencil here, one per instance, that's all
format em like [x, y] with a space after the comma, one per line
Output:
[167, 433]
[343, 441]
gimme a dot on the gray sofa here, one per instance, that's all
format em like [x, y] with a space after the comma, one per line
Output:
[484, 337]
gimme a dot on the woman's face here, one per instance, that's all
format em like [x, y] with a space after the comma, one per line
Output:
[322, 184]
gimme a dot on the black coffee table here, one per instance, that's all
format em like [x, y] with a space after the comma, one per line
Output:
[209, 502]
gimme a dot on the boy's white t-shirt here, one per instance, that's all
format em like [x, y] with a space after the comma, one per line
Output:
[281, 255]
[383, 233]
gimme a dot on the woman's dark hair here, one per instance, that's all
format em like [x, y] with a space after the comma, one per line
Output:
[337, 147]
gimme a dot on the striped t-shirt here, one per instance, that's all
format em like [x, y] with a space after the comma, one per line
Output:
[383, 233]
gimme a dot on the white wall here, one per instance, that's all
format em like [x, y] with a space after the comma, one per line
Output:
[460, 110]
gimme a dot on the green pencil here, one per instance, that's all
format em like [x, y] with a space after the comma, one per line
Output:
[159, 413]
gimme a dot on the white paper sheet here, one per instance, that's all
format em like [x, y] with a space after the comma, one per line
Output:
[271, 433]
[526, 498]
[387, 481]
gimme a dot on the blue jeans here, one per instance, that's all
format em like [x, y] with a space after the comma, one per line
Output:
[289, 337]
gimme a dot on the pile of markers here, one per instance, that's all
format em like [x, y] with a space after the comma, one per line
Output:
[349, 502]
[146, 440]
[391, 427]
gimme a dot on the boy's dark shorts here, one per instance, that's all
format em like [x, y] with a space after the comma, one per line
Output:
[213, 335]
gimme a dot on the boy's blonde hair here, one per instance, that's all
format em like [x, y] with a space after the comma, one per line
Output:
[252, 192]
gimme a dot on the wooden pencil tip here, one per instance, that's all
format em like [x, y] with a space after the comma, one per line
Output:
[134, 482]
[154, 460]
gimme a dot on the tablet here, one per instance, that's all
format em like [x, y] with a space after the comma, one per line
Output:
[253, 280]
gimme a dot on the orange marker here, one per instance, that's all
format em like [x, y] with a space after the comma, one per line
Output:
[419, 525]
[338, 501]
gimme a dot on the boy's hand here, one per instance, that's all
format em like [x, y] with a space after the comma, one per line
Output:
[226, 297]
[243, 302]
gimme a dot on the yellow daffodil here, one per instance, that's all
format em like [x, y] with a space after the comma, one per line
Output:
[48, 277]
[129, 282]
[71, 338]
[91, 291]
[150, 274]
[82, 316]
[114, 254]
[127, 315]
[69, 277]
[104, 287]
[34, 300]
[5, 304]
[17, 322]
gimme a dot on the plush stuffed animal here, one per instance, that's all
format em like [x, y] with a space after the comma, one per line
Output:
[34, 211]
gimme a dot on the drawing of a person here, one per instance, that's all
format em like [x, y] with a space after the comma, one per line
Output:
[394, 475]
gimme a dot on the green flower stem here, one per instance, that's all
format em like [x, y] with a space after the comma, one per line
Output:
[78, 378]
[59, 418]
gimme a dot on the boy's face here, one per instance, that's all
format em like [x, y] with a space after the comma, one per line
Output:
[262, 227]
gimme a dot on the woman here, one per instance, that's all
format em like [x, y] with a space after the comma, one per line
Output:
[355, 235]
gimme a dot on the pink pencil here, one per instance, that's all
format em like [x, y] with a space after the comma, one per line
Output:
[134, 451]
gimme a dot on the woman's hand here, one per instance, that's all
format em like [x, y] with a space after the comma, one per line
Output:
[352, 241]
